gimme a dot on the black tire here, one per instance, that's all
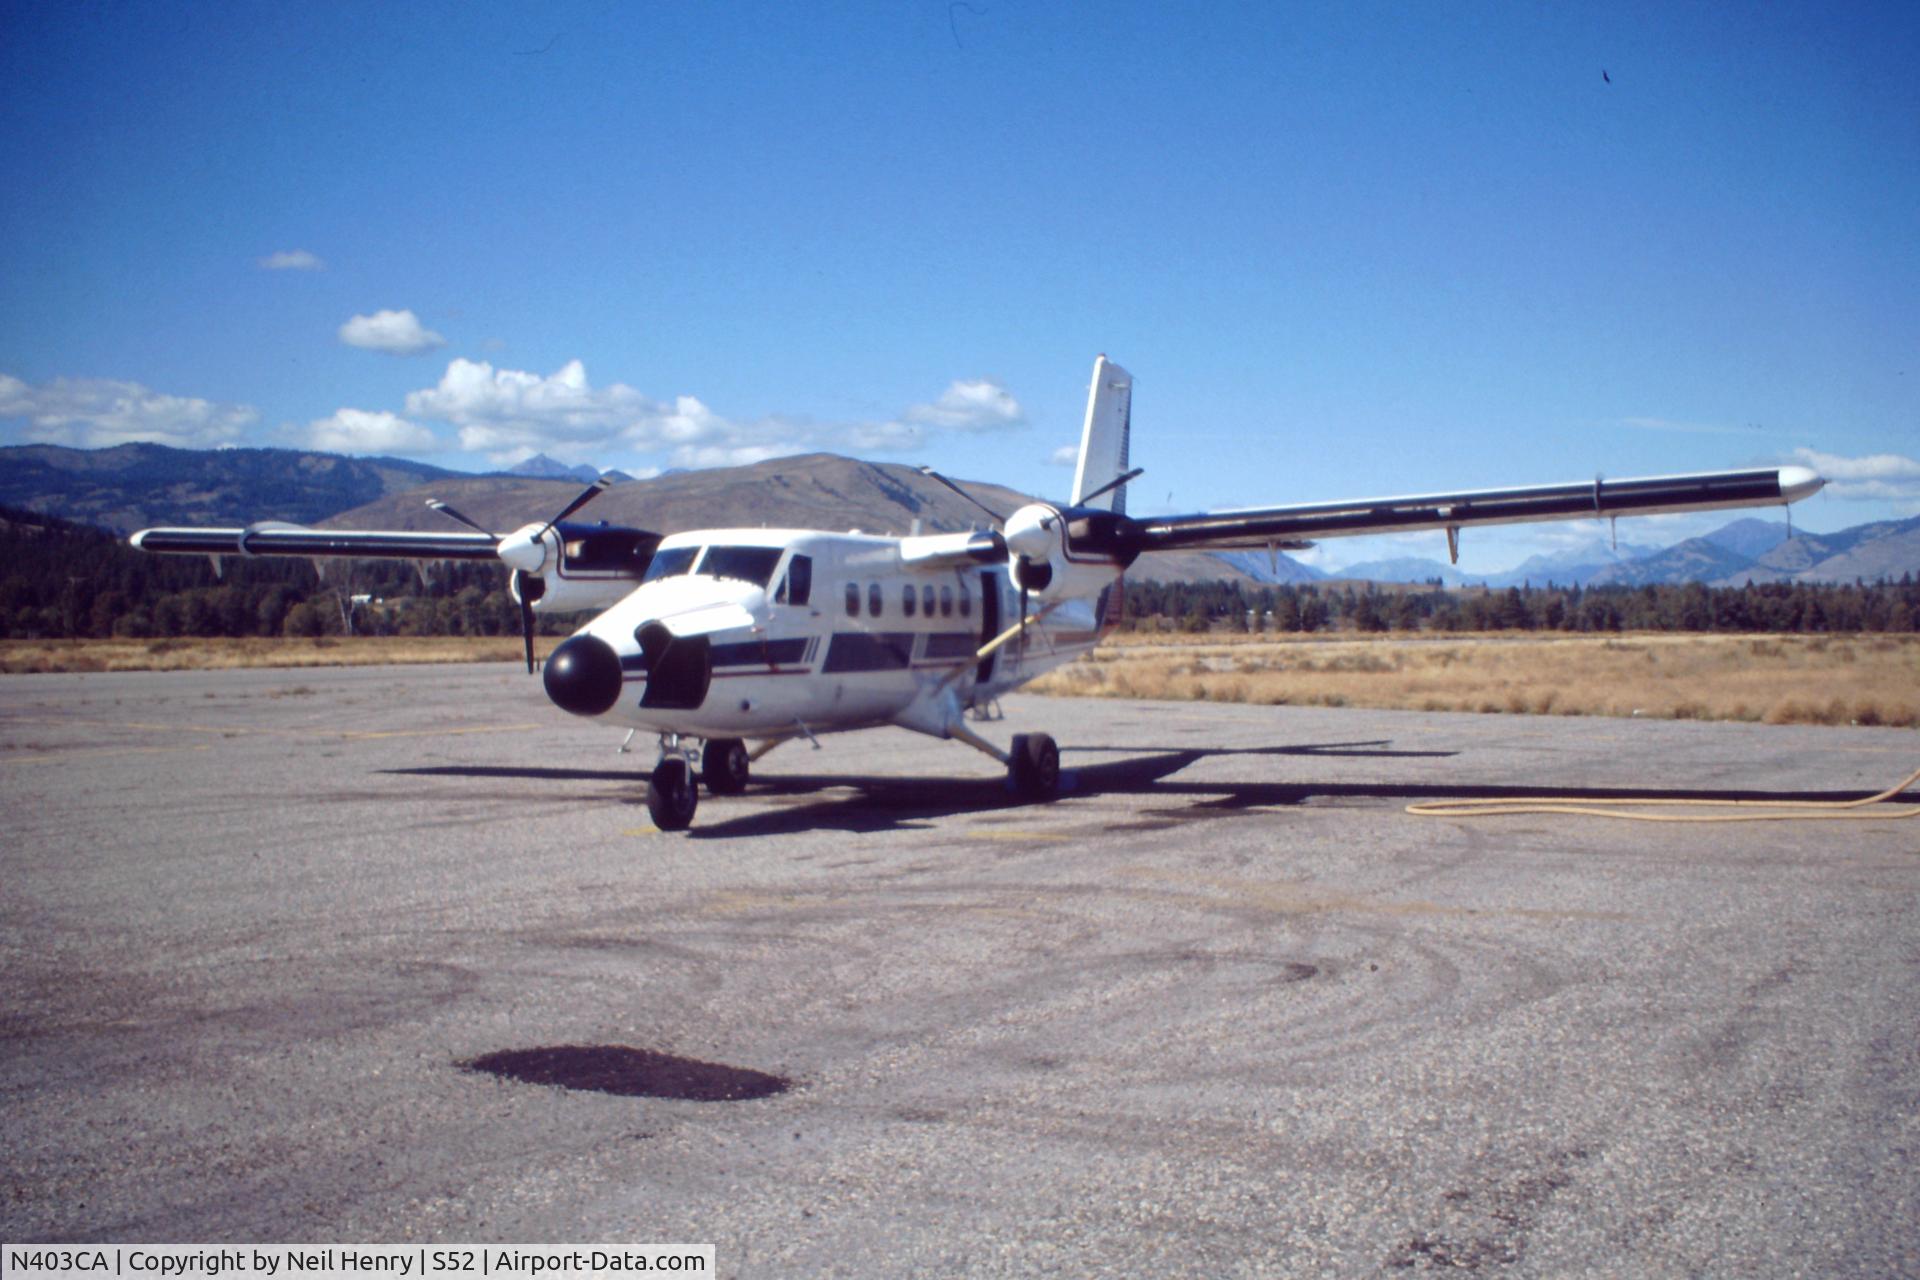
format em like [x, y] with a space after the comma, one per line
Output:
[723, 766]
[671, 795]
[1035, 767]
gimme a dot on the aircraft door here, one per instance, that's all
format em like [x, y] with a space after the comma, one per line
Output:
[989, 620]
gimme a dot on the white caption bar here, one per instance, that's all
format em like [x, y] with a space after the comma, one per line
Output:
[352, 1261]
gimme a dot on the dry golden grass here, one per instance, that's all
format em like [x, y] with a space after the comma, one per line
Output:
[205, 654]
[1864, 679]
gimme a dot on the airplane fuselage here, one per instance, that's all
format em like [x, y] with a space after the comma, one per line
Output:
[764, 632]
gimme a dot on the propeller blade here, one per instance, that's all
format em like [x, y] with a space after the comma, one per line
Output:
[526, 629]
[1115, 483]
[1023, 604]
[451, 514]
[931, 474]
[587, 495]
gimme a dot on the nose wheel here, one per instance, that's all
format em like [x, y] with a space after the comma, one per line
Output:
[671, 795]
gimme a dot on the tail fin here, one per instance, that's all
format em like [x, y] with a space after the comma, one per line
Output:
[1103, 440]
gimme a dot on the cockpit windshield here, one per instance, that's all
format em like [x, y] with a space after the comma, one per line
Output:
[670, 563]
[745, 564]
[748, 564]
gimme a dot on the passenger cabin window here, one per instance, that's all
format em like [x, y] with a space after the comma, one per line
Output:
[907, 600]
[946, 602]
[853, 599]
[875, 602]
[926, 600]
[671, 563]
[966, 603]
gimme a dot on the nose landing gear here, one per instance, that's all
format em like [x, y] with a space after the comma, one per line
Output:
[671, 795]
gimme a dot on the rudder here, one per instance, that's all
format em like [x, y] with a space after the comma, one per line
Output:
[1104, 437]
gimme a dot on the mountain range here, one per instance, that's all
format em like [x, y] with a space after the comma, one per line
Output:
[541, 467]
[1747, 550]
[135, 486]
[141, 485]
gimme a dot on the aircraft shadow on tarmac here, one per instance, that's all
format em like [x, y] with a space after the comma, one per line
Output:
[811, 802]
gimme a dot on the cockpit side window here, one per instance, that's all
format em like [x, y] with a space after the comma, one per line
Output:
[671, 563]
[799, 583]
[747, 564]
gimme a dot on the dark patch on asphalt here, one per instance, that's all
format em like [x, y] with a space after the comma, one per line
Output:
[1488, 1224]
[630, 1073]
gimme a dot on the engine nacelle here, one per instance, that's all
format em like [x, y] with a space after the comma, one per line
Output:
[1044, 562]
[549, 593]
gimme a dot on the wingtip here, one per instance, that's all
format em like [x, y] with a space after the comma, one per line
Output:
[1800, 482]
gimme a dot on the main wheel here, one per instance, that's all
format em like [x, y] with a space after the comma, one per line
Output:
[1035, 767]
[671, 796]
[723, 766]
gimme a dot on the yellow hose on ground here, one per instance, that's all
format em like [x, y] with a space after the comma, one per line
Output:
[1775, 810]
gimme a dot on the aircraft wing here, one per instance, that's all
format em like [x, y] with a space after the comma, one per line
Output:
[1653, 495]
[274, 539]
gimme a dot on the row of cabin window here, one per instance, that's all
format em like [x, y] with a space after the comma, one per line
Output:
[924, 600]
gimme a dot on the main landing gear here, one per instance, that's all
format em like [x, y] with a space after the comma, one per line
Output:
[673, 792]
[1032, 760]
[723, 766]
[1033, 766]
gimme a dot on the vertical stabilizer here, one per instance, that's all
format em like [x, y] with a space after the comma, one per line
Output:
[1103, 440]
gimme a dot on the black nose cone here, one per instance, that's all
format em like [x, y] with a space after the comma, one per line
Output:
[583, 676]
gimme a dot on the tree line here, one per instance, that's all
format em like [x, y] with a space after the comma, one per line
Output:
[1692, 606]
[60, 580]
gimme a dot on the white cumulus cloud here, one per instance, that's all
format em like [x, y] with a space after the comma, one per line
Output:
[369, 431]
[1066, 455]
[976, 404]
[292, 260]
[398, 333]
[97, 413]
[1878, 477]
[507, 414]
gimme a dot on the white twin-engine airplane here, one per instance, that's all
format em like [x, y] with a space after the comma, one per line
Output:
[735, 637]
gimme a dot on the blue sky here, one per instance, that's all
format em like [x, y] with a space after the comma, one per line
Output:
[1346, 250]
